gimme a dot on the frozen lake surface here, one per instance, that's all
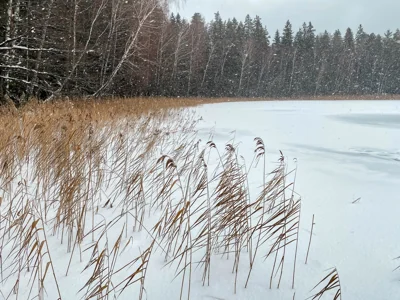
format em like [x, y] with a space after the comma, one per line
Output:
[345, 150]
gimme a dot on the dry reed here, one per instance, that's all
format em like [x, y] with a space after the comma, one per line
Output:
[84, 177]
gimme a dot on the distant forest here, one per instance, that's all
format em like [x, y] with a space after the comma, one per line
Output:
[75, 48]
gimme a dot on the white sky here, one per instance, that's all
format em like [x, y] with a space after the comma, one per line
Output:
[375, 16]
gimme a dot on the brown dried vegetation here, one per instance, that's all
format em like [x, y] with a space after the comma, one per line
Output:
[83, 178]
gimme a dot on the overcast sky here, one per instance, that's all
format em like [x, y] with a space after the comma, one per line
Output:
[376, 16]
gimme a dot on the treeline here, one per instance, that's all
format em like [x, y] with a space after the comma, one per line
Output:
[53, 48]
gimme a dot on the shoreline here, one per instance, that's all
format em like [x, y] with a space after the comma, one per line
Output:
[304, 98]
[140, 104]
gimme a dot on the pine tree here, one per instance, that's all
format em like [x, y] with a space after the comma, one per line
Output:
[396, 35]
[361, 36]
[349, 40]
[336, 63]
[197, 42]
[277, 39]
[349, 63]
[322, 46]
[248, 27]
[230, 66]
[288, 57]
[287, 35]
[211, 85]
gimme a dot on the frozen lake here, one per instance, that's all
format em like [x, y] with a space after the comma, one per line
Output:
[345, 150]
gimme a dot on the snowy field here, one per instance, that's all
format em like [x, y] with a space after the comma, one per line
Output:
[132, 222]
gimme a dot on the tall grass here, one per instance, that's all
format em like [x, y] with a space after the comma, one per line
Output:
[329, 284]
[79, 180]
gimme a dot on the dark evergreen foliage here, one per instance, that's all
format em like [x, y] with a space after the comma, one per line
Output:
[98, 48]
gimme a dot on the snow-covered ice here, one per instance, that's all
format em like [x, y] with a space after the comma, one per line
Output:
[345, 150]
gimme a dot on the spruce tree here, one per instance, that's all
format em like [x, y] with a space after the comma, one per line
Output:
[287, 35]
[277, 38]
[349, 40]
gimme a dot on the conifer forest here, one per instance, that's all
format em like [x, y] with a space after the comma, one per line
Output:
[79, 48]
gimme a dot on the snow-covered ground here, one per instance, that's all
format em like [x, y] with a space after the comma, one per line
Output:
[347, 155]
[345, 150]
